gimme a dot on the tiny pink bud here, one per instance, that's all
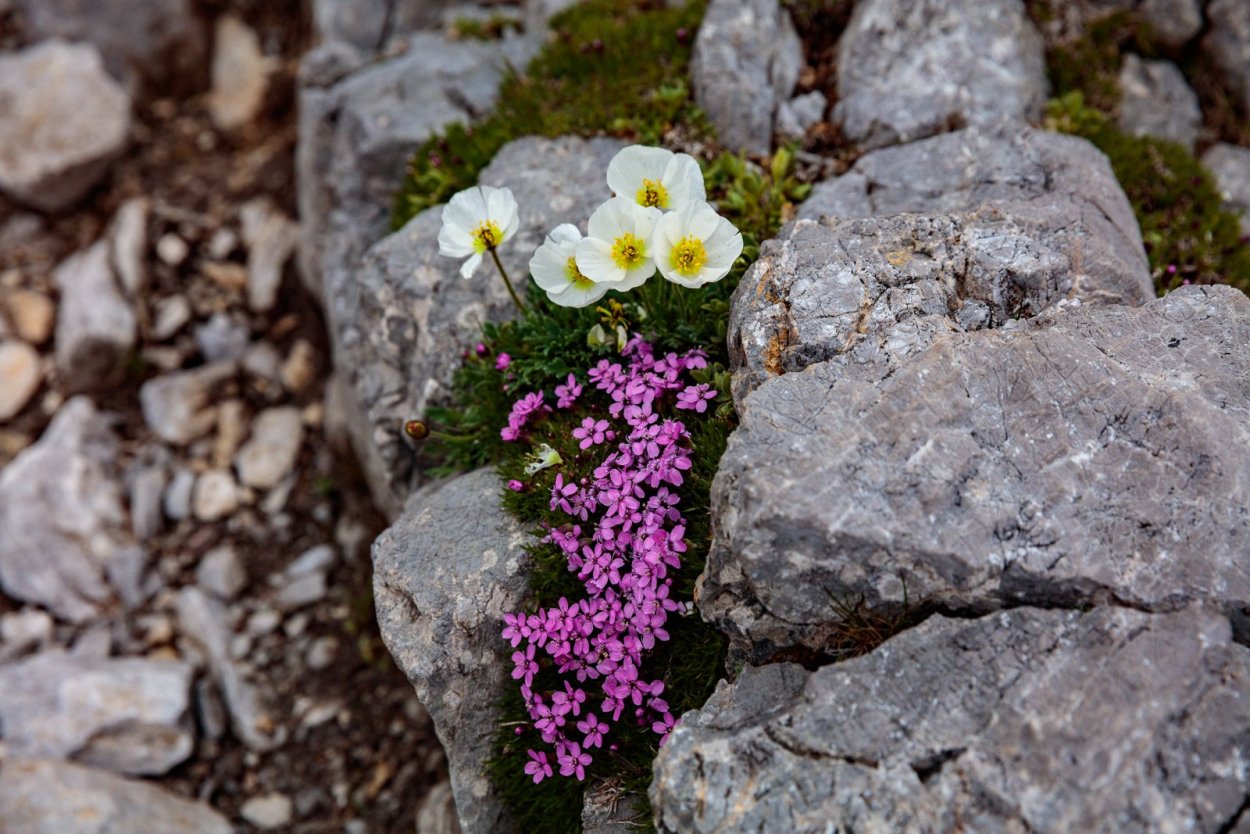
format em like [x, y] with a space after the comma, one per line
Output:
[502, 361]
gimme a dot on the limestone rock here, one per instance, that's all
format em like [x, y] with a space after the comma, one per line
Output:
[20, 375]
[270, 452]
[177, 406]
[798, 114]
[393, 320]
[240, 74]
[216, 495]
[437, 814]
[95, 326]
[1172, 22]
[124, 715]
[128, 242]
[272, 810]
[1230, 165]
[1156, 101]
[31, 313]
[439, 607]
[223, 338]
[1026, 720]
[1228, 42]
[43, 797]
[1090, 453]
[908, 69]
[65, 121]
[746, 61]
[62, 521]
[369, 25]
[271, 238]
[221, 572]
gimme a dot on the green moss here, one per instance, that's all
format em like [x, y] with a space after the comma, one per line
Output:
[491, 29]
[614, 67]
[1189, 236]
[1091, 64]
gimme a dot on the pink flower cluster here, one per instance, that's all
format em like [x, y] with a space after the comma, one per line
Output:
[624, 538]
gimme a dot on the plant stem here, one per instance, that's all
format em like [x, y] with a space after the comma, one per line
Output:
[504, 274]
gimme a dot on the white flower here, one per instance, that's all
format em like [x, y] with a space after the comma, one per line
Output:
[544, 457]
[617, 250]
[554, 268]
[695, 246]
[656, 177]
[476, 221]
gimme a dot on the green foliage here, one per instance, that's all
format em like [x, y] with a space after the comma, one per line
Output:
[1091, 64]
[611, 66]
[491, 29]
[1189, 236]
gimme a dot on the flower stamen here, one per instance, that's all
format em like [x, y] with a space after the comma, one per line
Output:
[628, 251]
[652, 193]
[576, 278]
[688, 256]
[487, 236]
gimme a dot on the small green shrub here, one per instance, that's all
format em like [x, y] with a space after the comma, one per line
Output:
[615, 67]
[1188, 234]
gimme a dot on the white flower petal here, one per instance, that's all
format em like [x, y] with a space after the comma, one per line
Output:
[454, 241]
[470, 203]
[502, 209]
[632, 165]
[579, 297]
[594, 259]
[683, 179]
[550, 265]
[565, 233]
[470, 266]
[635, 277]
[701, 220]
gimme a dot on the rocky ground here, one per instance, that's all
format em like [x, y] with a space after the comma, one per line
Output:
[184, 532]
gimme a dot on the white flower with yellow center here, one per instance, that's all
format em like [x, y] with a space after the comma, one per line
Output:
[656, 178]
[477, 221]
[695, 246]
[554, 267]
[617, 249]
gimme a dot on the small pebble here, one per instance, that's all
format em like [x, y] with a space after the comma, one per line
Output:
[171, 249]
[268, 811]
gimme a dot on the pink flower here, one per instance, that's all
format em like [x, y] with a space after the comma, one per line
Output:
[502, 361]
[538, 766]
[514, 484]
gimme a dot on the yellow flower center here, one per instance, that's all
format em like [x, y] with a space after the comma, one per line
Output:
[652, 194]
[487, 236]
[628, 251]
[576, 278]
[688, 256]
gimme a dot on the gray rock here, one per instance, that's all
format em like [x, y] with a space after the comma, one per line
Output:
[270, 452]
[798, 114]
[63, 533]
[318, 559]
[124, 715]
[21, 372]
[177, 499]
[1026, 720]
[240, 73]
[221, 572]
[606, 810]
[65, 122]
[216, 495]
[146, 488]
[1090, 453]
[272, 810]
[171, 315]
[437, 814]
[370, 25]
[1228, 42]
[908, 69]
[95, 324]
[1156, 101]
[128, 244]
[160, 43]
[271, 238]
[1172, 22]
[393, 320]
[1009, 221]
[439, 606]
[43, 797]
[746, 61]
[178, 406]
[1230, 165]
[223, 338]
[356, 133]
[301, 591]
[203, 621]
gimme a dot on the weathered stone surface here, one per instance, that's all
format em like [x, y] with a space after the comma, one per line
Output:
[95, 325]
[369, 25]
[746, 60]
[20, 375]
[271, 238]
[908, 69]
[64, 121]
[1011, 221]
[1230, 165]
[1026, 720]
[45, 797]
[798, 114]
[1090, 453]
[606, 810]
[1156, 101]
[437, 814]
[159, 42]
[63, 531]
[1172, 22]
[439, 606]
[178, 407]
[270, 452]
[394, 319]
[1228, 42]
[124, 715]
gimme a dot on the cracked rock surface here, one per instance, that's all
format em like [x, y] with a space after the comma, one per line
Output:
[1023, 720]
[444, 575]
[1088, 454]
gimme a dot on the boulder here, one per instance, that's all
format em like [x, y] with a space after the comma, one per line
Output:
[1172, 22]
[1008, 222]
[95, 324]
[370, 25]
[908, 69]
[746, 61]
[64, 538]
[1156, 101]
[1230, 165]
[440, 607]
[161, 43]
[65, 122]
[1050, 722]
[1090, 453]
[125, 715]
[1228, 42]
[401, 320]
[45, 797]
